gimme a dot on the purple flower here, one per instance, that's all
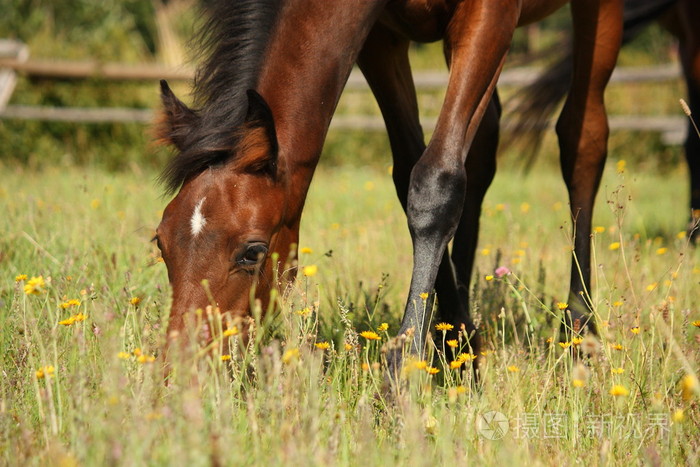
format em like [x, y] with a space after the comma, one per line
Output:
[501, 271]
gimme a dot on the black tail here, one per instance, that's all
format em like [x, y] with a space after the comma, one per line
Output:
[534, 105]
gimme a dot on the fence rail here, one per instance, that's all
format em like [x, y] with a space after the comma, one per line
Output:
[14, 61]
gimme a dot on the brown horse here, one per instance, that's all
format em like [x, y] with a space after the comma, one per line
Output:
[264, 99]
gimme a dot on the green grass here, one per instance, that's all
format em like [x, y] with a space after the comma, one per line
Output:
[89, 230]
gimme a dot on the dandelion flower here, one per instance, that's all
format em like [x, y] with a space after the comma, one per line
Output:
[290, 355]
[69, 303]
[310, 270]
[444, 327]
[232, 331]
[370, 335]
[431, 370]
[619, 390]
[513, 369]
[678, 416]
[614, 246]
[467, 357]
[452, 343]
[35, 286]
[420, 364]
[383, 327]
[323, 345]
[20, 278]
[689, 386]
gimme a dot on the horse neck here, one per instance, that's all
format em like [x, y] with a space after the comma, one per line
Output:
[308, 61]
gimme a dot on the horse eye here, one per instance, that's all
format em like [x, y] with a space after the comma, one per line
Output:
[252, 255]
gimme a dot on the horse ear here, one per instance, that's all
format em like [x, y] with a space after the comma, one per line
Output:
[175, 120]
[261, 135]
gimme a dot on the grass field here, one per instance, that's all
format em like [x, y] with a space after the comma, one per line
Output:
[89, 392]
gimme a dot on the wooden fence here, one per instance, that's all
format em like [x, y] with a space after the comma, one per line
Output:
[14, 60]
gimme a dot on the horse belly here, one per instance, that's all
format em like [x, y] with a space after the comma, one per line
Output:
[419, 20]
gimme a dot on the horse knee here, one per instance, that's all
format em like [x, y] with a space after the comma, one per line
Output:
[435, 200]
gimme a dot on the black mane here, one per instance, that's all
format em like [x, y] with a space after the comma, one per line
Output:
[233, 39]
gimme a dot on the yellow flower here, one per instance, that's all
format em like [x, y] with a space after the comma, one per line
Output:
[323, 345]
[635, 330]
[383, 327]
[444, 327]
[513, 369]
[306, 250]
[467, 357]
[135, 301]
[290, 355]
[20, 278]
[599, 229]
[44, 371]
[456, 364]
[370, 335]
[621, 164]
[67, 322]
[617, 371]
[661, 251]
[562, 306]
[452, 343]
[145, 358]
[678, 416]
[420, 364]
[431, 370]
[619, 390]
[424, 295]
[614, 246]
[225, 358]
[123, 356]
[232, 331]
[489, 277]
[35, 286]
[70, 303]
[689, 386]
[310, 270]
[578, 383]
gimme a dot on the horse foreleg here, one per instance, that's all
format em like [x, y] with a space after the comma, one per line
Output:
[478, 38]
[583, 131]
